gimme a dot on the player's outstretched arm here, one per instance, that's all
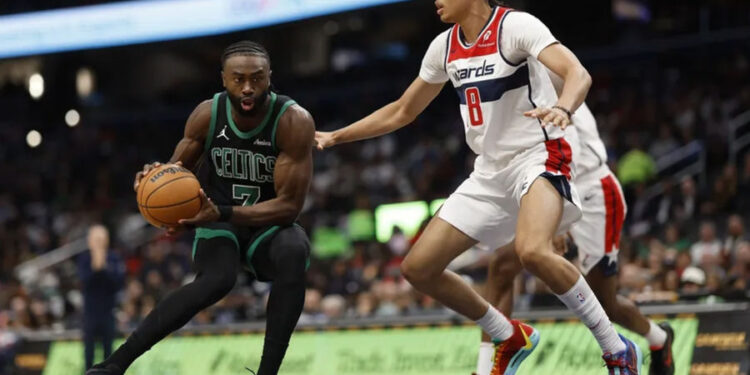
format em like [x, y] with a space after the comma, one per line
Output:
[190, 147]
[386, 119]
[292, 175]
[565, 64]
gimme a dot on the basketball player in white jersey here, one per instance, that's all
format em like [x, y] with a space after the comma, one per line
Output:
[597, 237]
[519, 190]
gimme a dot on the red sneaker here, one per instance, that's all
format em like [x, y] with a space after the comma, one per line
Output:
[510, 353]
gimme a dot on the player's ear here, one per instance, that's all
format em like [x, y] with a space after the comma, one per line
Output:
[223, 80]
[270, 73]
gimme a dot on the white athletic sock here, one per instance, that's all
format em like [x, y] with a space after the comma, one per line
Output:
[656, 336]
[496, 324]
[581, 300]
[485, 360]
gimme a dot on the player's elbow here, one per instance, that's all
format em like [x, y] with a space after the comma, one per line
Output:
[584, 77]
[288, 212]
[404, 115]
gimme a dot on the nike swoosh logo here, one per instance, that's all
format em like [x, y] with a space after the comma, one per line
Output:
[529, 344]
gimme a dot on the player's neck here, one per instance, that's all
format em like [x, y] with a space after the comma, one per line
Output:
[249, 122]
[474, 21]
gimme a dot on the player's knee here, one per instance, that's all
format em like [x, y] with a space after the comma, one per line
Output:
[292, 261]
[294, 254]
[416, 274]
[504, 267]
[221, 284]
[531, 254]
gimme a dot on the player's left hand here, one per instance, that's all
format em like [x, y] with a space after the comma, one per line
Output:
[552, 116]
[208, 212]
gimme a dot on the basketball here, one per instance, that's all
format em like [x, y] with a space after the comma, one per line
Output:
[167, 194]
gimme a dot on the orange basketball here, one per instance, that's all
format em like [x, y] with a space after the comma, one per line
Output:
[167, 194]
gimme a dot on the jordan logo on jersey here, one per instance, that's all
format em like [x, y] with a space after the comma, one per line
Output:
[223, 133]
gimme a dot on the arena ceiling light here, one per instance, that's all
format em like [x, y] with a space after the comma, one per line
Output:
[134, 22]
[33, 138]
[72, 118]
[36, 85]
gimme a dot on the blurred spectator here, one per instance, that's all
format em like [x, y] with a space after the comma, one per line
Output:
[708, 249]
[744, 186]
[724, 190]
[366, 305]
[333, 306]
[735, 235]
[8, 341]
[635, 166]
[688, 205]
[673, 238]
[101, 273]
[664, 144]
[311, 312]
[692, 282]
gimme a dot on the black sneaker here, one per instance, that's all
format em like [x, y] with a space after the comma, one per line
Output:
[100, 369]
[662, 362]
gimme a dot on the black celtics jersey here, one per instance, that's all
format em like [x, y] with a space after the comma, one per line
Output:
[237, 167]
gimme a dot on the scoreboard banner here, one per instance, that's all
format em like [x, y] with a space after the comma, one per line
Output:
[131, 22]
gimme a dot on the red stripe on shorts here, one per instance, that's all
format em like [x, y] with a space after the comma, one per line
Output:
[615, 208]
[559, 156]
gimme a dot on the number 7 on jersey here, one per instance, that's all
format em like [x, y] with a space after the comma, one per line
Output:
[250, 194]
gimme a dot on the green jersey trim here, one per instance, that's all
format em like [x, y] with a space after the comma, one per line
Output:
[207, 233]
[212, 127]
[276, 122]
[254, 246]
[257, 129]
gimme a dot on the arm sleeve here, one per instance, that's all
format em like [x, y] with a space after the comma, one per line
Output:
[523, 36]
[433, 64]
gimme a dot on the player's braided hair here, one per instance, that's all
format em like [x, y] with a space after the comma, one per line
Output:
[496, 3]
[245, 47]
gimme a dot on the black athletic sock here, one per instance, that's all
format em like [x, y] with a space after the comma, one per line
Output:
[217, 273]
[288, 253]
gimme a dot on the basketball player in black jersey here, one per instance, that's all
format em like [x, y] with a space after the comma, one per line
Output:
[252, 152]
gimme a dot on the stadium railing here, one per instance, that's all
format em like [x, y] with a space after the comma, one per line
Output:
[739, 136]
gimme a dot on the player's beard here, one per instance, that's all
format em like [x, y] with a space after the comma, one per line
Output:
[257, 103]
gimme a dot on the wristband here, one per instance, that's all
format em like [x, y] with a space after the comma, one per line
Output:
[567, 112]
[225, 213]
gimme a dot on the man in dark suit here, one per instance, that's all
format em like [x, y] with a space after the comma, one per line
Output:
[101, 275]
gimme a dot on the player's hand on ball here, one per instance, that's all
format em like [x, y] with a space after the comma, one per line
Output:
[550, 116]
[142, 173]
[208, 213]
[324, 140]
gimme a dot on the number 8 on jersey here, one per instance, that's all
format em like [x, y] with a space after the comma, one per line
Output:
[474, 104]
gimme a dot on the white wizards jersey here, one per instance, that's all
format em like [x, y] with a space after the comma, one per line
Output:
[497, 79]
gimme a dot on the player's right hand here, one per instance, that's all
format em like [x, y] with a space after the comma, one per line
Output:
[142, 173]
[324, 140]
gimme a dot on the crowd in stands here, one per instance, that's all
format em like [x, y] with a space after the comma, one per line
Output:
[687, 241]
